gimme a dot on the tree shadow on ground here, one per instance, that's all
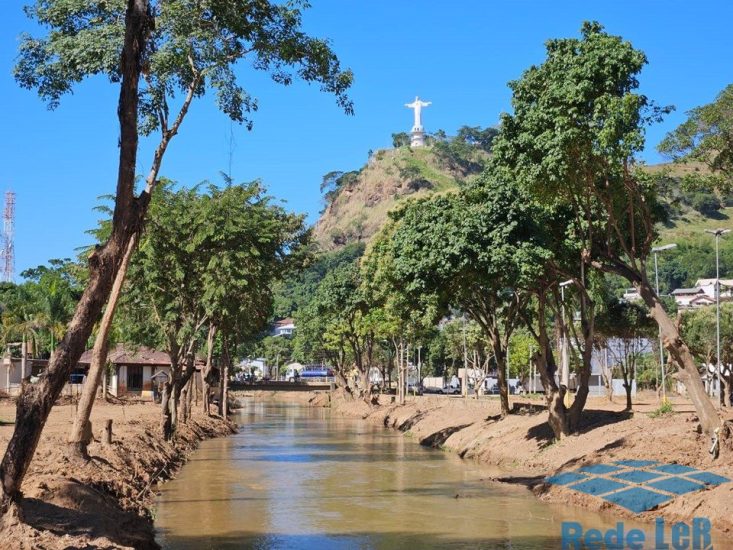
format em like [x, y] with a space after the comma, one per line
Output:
[441, 436]
[97, 516]
[591, 419]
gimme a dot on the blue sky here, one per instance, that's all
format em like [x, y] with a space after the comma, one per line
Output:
[457, 54]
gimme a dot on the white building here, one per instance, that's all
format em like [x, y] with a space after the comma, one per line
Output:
[283, 327]
[708, 287]
[688, 298]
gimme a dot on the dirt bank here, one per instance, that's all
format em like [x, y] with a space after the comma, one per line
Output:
[523, 445]
[106, 502]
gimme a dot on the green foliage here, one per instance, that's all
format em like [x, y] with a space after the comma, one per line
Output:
[277, 350]
[664, 409]
[706, 137]
[467, 151]
[575, 131]
[706, 203]
[39, 308]
[298, 287]
[333, 325]
[698, 328]
[400, 139]
[192, 46]
[333, 182]
[207, 258]
[521, 347]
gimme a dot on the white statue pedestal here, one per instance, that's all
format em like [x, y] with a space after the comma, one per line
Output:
[417, 137]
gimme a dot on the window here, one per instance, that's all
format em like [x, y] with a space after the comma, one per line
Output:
[134, 378]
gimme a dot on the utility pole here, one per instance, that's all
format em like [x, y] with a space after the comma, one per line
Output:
[465, 360]
[656, 250]
[718, 233]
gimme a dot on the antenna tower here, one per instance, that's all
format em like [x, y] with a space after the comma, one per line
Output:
[7, 254]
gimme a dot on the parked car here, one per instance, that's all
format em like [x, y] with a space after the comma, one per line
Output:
[415, 389]
[451, 390]
[292, 375]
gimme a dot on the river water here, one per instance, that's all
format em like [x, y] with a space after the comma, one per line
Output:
[297, 477]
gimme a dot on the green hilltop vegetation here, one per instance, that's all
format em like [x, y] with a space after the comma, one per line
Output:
[357, 202]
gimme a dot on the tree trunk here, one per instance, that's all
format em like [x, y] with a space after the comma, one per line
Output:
[545, 365]
[225, 385]
[99, 359]
[207, 368]
[184, 405]
[500, 357]
[166, 412]
[36, 400]
[190, 394]
[104, 384]
[673, 343]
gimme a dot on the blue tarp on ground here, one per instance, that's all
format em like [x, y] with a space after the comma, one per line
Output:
[637, 499]
[637, 485]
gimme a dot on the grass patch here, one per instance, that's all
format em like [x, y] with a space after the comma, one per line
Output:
[665, 409]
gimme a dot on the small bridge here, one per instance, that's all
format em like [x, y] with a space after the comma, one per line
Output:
[311, 385]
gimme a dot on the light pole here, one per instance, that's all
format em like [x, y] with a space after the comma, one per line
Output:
[465, 360]
[565, 372]
[718, 233]
[656, 250]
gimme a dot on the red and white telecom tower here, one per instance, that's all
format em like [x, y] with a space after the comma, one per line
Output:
[7, 252]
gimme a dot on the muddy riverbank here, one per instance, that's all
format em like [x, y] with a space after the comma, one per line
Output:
[522, 445]
[106, 502]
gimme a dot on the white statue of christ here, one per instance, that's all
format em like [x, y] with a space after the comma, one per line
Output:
[417, 106]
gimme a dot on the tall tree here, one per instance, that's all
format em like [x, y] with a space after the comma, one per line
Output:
[180, 49]
[577, 127]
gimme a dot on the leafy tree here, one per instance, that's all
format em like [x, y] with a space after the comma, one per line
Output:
[706, 137]
[699, 330]
[462, 250]
[625, 327]
[467, 151]
[400, 139]
[521, 346]
[707, 204]
[180, 49]
[577, 127]
[298, 286]
[207, 260]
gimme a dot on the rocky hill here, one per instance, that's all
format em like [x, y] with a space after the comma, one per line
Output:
[359, 201]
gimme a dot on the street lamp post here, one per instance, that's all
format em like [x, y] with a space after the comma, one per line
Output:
[656, 250]
[718, 233]
[565, 373]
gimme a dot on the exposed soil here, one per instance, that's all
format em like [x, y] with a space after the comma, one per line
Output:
[524, 447]
[106, 502]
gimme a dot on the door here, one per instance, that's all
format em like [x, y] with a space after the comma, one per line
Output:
[134, 378]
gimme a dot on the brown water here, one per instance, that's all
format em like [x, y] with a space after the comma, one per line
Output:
[296, 477]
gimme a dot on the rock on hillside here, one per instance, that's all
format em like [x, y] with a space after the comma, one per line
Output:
[357, 210]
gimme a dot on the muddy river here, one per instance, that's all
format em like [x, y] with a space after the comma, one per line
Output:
[296, 477]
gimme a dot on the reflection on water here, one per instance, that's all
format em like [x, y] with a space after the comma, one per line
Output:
[295, 477]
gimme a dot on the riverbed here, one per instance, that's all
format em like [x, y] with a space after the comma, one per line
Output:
[298, 477]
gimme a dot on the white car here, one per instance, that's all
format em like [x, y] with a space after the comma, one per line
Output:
[452, 390]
